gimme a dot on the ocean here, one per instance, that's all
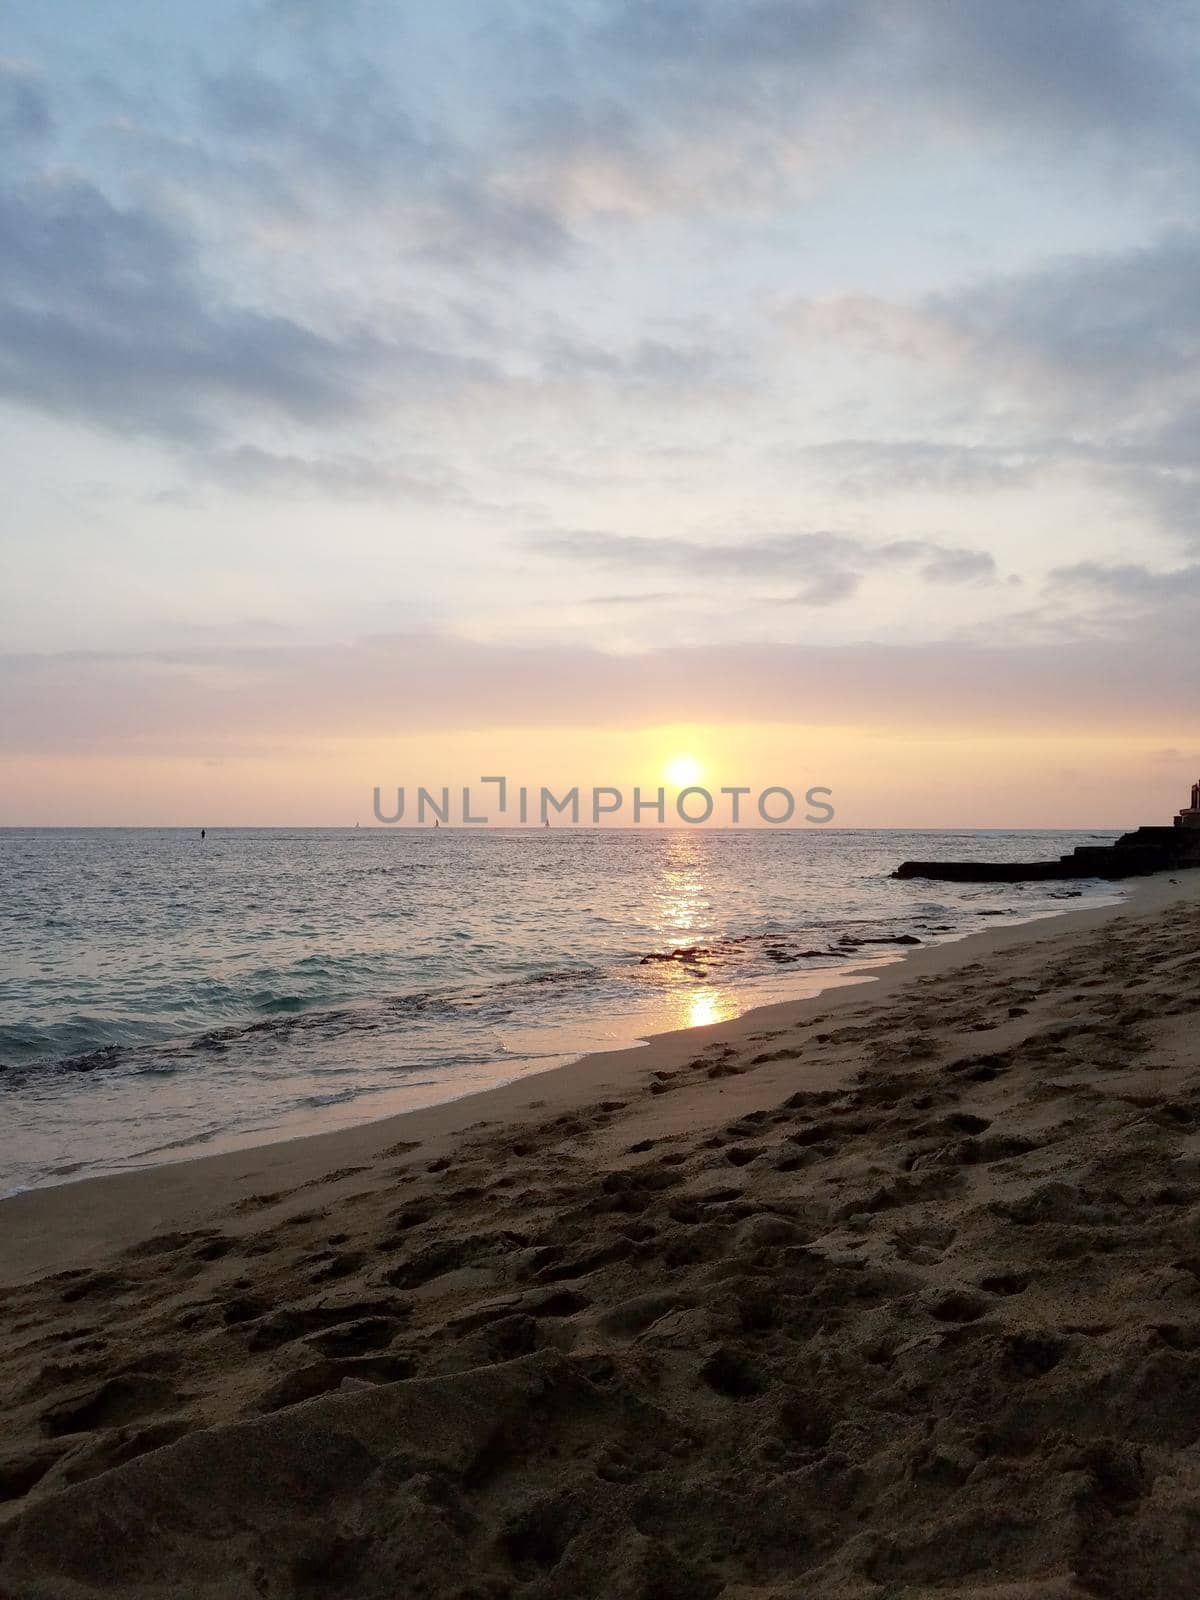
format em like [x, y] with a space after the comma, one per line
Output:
[163, 997]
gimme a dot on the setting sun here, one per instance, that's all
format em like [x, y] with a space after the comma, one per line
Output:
[683, 771]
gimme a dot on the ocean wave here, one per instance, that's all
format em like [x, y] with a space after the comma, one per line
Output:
[268, 1015]
[272, 1017]
[266, 1001]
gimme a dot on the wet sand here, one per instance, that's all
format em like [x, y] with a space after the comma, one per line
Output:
[894, 1292]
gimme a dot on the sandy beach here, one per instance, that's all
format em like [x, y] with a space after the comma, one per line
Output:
[895, 1292]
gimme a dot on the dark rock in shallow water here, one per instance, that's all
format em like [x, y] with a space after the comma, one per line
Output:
[107, 1056]
[689, 953]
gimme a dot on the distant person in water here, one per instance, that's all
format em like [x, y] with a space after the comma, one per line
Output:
[203, 831]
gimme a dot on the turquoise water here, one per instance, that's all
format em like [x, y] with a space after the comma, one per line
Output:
[163, 996]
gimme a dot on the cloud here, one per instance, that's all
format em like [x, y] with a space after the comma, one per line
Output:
[1124, 323]
[594, 115]
[216, 702]
[344, 478]
[125, 314]
[828, 588]
[648, 363]
[1096, 66]
[675, 104]
[652, 597]
[1132, 583]
[25, 115]
[328, 140]
[1097, 334]
[405, 254]
[872, 466]
[1101, 332]
[830, 565]
[105, 315]
[1089, 362]
[955, 566]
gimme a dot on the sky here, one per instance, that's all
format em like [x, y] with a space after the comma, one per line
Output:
[400, 394]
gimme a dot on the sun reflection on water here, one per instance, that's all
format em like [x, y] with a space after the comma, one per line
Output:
[682, 923]
[706, 1005]
[683, 901]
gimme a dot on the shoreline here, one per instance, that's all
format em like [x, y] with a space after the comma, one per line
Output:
[42, 1233]
[893, 1290]
[562, 1051]
[280, 1031]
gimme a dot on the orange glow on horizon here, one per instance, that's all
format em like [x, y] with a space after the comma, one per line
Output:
[919, 779]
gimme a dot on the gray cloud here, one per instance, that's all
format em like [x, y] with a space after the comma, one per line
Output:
[727, 36]
[1123, 321]
[144, 300]
[1103, 334]
[828, 588]
[691, 104]
[721, 73]
[1096, 65]
[339, 135]
[1102, 351]
[614, 110]
[1095, 58]
[252, 470]
[869, 466]
[648, 363]
[25, 115]
[1132, 583]
[954, 566]
[105, 315]
[831, 565]
[608, 110]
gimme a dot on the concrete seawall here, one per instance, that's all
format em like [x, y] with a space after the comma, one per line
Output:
[1146, 850]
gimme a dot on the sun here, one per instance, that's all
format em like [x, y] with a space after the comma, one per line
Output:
[683, 771]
